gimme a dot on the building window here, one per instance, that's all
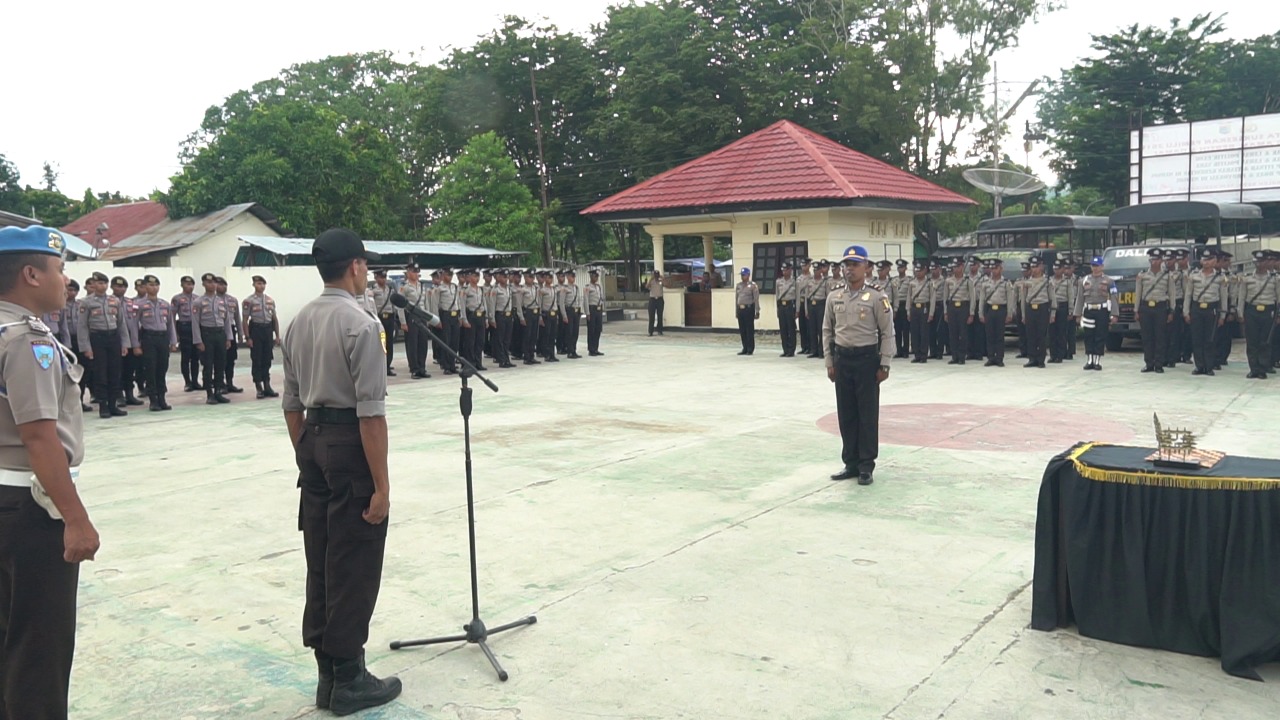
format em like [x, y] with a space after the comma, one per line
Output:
[765, 229]
[778, 227]
[878, 228]
[792, 225]
[902, 229]
[769, 257]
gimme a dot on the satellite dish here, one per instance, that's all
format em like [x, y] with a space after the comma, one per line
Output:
[1002, 183]
[103, 227]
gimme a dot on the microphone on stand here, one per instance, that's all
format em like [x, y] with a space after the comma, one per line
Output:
[413, 311]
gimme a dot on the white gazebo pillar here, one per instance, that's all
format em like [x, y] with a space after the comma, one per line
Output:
[659, 259]
[709, 253]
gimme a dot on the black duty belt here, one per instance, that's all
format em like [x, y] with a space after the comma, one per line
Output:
[104, 332]
[183, 322]
[1155, 303]
[165, 333]
[260, 323]
[863, 351]
[212, 330]
[1265, 308]
[332, 416]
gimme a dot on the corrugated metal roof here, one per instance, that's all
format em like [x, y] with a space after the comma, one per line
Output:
[177, 234]
[123, 221]
[302, 246]
[781, 163]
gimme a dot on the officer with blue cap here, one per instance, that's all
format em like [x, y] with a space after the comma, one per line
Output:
[857, 334]
[46, 531]
[747, 297]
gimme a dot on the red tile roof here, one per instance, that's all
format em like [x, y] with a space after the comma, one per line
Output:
[783, 163]
[123, 222]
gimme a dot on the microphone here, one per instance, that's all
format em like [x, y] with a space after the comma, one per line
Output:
[416, 313]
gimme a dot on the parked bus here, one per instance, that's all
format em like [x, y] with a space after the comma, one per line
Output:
[1076, 237]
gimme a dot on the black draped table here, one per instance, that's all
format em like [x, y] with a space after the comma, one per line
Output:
[1181, 560]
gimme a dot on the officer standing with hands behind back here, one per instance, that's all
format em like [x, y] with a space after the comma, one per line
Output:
[45, 531]
[857, 332]
[747, 296]
[335, 391]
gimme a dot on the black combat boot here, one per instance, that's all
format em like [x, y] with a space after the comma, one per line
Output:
[115, 411]
[155, 403]
[324, 688]
[261, 392]
[268, 390]
[209, 398]
[355, 688]
[164, 405]
[104, 410]
[129, 399]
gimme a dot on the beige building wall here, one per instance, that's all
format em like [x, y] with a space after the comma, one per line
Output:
[219, 249]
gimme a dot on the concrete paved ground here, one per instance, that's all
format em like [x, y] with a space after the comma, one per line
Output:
[665, 510]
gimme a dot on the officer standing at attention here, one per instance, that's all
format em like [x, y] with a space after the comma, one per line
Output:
[1152, 290]
[747, 297]
[1037, 313]
[961, 298]
[977, 334]
[104, 340]
[446, 297]
[131, 358]
[233, 352]
[471, 321]
[1177, 327]
[549, 306]
[1230, 283]
[572, 301]
[1060, 324]
[901, 311]
[804, 285]
[190, 360]
[335, 391]
[656, 303]
[814, 301]
[159, 337]
[785, 296]
[1257, 299]
[1205, 293]
[45, 531]
[531, 317]
[73, 323]
[139, 376]
[997, 296]
[211, 331]
[502, 319]
[595, 314]
[1096, 307]
[416, 341]
[921, 298]
[940, 334]
[857, 331]
[60, 322]
[391, 317]
[262, 327]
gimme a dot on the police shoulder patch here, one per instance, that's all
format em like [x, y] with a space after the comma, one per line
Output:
[44, 352]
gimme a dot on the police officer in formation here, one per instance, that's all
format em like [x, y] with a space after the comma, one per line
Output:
[190, 361]
[786, 295]
[1204, 303]
[901, 313]
[1259, 293]
[104, 341]
[920, 295]
[814, 301]
[233, 352]
[571, 301]
[158, 337]
[390, 317]
[960, 297]
[211, 329]
[416, 340]
[857, 332]
[1152, 292]
[1038, 313]
[1062, 326]
[997, 298]
[262, 328]
[550, 313]
[805, 282]
[594, 295]
[45, 531]
[939, 334]
[977, 335]
[1096, 307]
[1177, 329]
[746, 296]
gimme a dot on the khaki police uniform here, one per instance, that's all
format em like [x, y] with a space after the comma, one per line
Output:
[1039, 303]
[263, 328]
[416, 341]
[804, 286]
[390, 316]
[901, 311]
[190, 357]
[1152, 292]
[747, 298]
[1203, 300]
[939, 331]
[448, 298]
[1224, 337]
[920, 294]
[552, 314]
[1095, 306]
[814, 300]
[1061, 330]
[104, 332]
[594, 295]
[1259, 294]
[657, 305]
[531, 313]
[571, 300]
[157, 333]
[38, 382]
[857, 332]
[335, 372]
[472, 336]
[233, 352]
[211, 327]
[994, 307]
[786, 295]
[960, 298]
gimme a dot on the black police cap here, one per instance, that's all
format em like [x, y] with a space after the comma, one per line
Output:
[259, 278]
[339, 244]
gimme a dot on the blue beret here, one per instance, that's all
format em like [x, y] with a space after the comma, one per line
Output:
[855, 253]
[35, 239]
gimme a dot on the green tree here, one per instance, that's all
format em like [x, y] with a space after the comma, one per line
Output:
[310, 166]
[481, 200]
[10, 188]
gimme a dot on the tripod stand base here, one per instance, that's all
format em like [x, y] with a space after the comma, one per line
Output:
[477, 634]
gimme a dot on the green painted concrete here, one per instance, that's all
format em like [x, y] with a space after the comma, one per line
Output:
[665, 510]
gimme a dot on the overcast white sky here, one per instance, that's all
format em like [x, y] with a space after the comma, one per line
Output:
[106, 91]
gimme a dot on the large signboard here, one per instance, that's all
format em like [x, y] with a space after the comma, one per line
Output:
[1227, 160]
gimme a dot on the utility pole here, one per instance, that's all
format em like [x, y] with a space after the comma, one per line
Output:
[542, 168]
[995, 129]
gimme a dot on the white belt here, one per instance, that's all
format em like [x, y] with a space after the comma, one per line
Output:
[24, 478]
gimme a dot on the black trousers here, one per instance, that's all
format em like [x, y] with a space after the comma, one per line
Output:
[993, 332]
[390, 324]
[38, 611]
[1223, 339]
[344, 553]
[1174, 334]
[532, 329]
[479, 324]
[214, 356]
[547, 335]
[1036, 327]
[1095, 338]
[155, 360]
[817, 311]
[1059, 330]
[130, 372]
[940, 334]
[262, 353]
[1153, 322]
[190, 358]
[656, 306]
[858, 406]
[787, 326]
[572, 330]
[229, 365]
[106, 364]
[467, 337]
[1204, 328]
[415, 348]
[562, 335]
[86, 378]
[1257, 327]
[502, 337]
[516, 348]
[920, 327]
[806, 332]
[747, 327]
[902, 329]
[958, 326]
[451, 334]
[595, 326]
[1024, 343]
[977, 340]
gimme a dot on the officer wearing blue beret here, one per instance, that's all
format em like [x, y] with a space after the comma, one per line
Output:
[45, 531]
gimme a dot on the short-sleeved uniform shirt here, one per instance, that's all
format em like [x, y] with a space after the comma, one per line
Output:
[335, 357]
[39, 380]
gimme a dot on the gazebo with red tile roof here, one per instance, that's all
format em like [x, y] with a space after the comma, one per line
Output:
[123, 222]
[782, 193]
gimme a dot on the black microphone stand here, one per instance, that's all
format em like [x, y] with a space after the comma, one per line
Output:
[474, 631]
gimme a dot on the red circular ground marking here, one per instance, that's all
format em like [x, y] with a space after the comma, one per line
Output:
[988, 427]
